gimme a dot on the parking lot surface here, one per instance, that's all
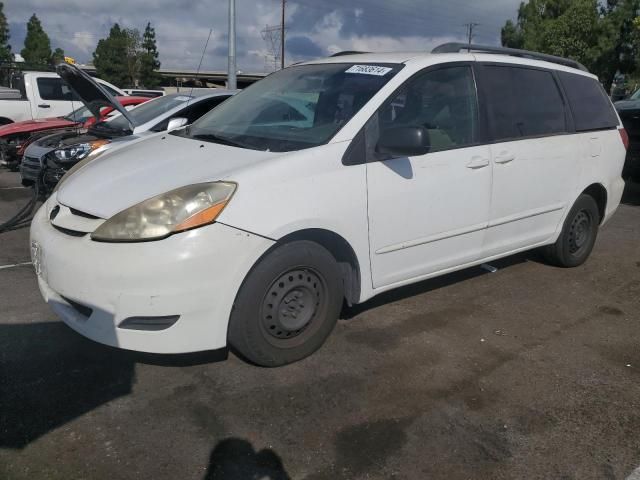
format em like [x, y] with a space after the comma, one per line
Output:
[530, 372]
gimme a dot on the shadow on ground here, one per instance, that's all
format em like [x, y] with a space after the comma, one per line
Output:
[436, 283]
[234, 458]
[50, 375]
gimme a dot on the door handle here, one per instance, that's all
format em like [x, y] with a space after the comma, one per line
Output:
[504, 158]
[478, 162]
[44, 105]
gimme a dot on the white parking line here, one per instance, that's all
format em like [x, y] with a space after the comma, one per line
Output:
[2, 267]
[635, 475]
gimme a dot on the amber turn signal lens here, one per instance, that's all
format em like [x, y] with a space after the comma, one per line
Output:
[201, 218]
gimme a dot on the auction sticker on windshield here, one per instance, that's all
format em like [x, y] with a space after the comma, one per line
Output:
[369, 70]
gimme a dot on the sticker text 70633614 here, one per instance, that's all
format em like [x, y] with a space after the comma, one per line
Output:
[369, 70]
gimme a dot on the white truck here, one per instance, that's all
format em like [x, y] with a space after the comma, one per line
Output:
[41, 95]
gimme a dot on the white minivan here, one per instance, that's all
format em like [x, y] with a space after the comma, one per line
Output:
[329, 182]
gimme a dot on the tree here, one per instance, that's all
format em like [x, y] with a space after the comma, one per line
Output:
[116, 57]
[5, 48]
[57, 56]
[511, 35]
[149, 63]
[133, 44]
[37, 47]
[597, 34]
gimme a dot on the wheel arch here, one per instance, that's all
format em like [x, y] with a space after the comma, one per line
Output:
[598, 192]
[341, 250]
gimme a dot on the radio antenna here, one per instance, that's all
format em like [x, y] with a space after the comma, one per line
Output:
[200, 65]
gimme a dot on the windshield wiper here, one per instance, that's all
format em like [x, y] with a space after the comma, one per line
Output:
[210, 137]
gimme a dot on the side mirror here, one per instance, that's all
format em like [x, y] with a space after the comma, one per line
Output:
[405, 141]
[176, 122]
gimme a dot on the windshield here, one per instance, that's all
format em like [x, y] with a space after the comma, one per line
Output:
[295, 108]
[149, 110]
[635, 96]
[80, 115]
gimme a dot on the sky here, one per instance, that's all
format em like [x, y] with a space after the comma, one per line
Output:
[313, 27]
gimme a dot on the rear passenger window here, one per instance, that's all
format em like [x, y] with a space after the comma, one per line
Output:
[589, 103]
[523, 102]
[442, 101]
[54, 89]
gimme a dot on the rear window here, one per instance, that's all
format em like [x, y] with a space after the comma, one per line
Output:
[150, 110]
[589, 103]
[523, 102]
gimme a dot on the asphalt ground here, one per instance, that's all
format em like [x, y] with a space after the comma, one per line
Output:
[531, 372]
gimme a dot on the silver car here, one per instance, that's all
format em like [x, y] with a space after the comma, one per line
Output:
[57, 153]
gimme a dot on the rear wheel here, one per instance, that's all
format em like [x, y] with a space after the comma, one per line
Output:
[578, 236]
[287, 305]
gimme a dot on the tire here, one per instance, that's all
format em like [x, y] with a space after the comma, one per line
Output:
[287, 306]
[578, 235]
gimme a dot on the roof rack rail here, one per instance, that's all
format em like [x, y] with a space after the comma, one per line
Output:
[346, 52]
[514, 52]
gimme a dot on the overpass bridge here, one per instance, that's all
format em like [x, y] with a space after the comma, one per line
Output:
[180, 77]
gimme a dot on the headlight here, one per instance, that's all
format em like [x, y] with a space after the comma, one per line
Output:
[79, 151]
[175, 211]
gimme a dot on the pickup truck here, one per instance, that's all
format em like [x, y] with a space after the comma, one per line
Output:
[42, 94]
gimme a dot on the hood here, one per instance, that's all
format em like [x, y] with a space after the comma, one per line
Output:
[93, 95]
[149, 167]
[34, 126]
[627, 105]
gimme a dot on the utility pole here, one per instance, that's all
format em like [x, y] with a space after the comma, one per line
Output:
[282, 36]
[470, 26]
[231, 68]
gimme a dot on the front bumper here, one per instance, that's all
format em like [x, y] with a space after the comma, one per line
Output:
[95, 286]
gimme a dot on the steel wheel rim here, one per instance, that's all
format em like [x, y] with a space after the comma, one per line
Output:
[292, 305]
[580, 232]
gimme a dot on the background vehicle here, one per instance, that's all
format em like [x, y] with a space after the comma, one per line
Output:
[42, 94]
[253, 227]
[59, 152]
[145, 93]
[629, 111]
[14, 137]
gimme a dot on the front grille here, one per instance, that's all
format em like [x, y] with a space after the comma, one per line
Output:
[71, 233]
[30, 168]
[33, 162]
[83, 214]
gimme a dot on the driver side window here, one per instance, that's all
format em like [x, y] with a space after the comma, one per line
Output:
[442, 101]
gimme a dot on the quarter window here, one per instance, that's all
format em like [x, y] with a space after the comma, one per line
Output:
[523, 102]
[442, 101]
[591, 108]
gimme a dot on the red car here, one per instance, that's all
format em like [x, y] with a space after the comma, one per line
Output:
[15, 137]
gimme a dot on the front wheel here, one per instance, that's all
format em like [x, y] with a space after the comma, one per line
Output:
[578, 235]
[287, 305]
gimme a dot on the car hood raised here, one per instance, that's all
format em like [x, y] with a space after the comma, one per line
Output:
[93, 95]
[34, 126]
[149, 167]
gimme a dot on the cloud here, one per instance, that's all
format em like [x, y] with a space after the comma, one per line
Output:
[303, 47]
[84, 41]
[313, 28]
